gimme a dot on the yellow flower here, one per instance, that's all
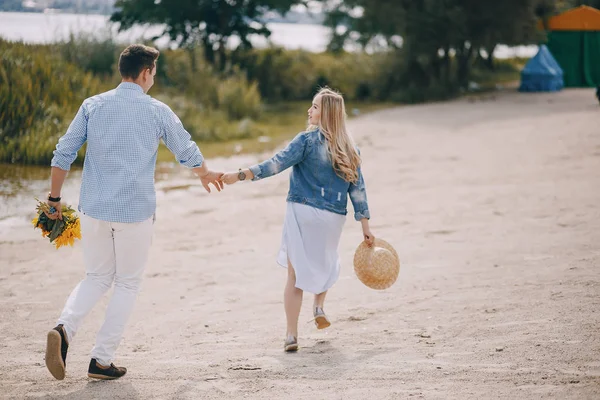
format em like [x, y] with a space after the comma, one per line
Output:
[72, 231]
[36, 224]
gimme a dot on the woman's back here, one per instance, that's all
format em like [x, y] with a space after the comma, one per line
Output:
[313, 180]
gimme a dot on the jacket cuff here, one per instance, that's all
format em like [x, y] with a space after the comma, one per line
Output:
[256, 171]
[362, 214]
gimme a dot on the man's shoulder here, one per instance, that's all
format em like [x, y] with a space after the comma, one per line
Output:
[159, 105]
[102, 96]
[165, 113]
[91, 102]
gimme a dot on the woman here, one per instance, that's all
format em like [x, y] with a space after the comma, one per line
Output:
[326, 169]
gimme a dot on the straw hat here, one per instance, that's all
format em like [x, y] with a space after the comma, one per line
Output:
[377, 266]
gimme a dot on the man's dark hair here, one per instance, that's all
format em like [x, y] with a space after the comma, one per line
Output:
[136, 58]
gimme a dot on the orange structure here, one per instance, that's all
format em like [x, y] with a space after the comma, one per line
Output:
[582, 18]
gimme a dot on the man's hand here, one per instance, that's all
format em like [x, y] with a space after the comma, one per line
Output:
[56, 207]
[212, 177]
[230, 178]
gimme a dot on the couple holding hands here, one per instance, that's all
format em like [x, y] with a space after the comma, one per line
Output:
[123, 128]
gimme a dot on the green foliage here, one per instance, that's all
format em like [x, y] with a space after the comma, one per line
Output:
[564, 5]
[39, 94]
[206, 125]
[287, 75]
[187, 73]
[209, 23]
[98, 55]
[238, 98]
[440, 38]
[36, 145]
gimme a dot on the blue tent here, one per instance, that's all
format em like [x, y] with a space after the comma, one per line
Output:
[542, 73]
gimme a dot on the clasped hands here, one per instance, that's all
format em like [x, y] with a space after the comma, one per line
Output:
[219, 179]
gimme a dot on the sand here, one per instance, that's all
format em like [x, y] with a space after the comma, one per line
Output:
[493, 204]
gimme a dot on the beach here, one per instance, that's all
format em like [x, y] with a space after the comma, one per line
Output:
[492, 202]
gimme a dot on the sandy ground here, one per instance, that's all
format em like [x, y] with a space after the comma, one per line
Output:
[493, 206]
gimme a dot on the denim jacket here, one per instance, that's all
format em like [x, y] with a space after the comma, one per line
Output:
[313, 180]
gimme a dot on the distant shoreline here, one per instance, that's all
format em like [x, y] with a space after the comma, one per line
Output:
[295, 18]
[55, 11]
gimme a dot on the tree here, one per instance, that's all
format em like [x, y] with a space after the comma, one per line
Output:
[577, 3]
[207, 22]
[436, 33]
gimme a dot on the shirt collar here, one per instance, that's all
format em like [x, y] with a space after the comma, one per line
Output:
[130, 86]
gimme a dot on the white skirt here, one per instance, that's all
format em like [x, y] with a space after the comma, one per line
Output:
[310, 241]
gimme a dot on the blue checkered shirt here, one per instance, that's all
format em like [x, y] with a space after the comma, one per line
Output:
[123, 128]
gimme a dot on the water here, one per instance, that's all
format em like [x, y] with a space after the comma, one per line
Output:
[49, 28]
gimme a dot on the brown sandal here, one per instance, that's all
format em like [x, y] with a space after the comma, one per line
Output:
[321, 320]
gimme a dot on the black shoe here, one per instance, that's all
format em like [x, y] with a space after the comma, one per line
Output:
[56, 352]
[97, 372]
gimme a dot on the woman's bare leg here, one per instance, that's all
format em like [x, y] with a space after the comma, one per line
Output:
[292, 299]
[319, 300]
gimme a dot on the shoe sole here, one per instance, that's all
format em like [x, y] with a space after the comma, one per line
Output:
[291, 347]
[54, 361]
[103, 377]
[322, 322]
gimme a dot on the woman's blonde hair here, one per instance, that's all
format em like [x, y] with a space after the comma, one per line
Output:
[341, 148]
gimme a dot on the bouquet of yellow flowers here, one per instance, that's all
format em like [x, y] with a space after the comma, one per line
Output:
[61, 232]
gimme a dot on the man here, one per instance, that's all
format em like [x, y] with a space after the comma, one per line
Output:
[117, 202]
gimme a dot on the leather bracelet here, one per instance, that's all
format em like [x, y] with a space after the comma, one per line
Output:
[53, 199]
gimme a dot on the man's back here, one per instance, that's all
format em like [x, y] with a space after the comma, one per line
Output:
[123, 128]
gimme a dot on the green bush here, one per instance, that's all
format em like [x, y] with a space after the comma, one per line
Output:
[186, 72]
[238, 98]
[39, 94]
[209, 125]
[36, 145]
[91, 53]
[289, 75]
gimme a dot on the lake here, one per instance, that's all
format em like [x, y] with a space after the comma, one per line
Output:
[48, 28]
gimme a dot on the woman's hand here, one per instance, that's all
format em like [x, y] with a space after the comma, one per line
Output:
[368, 237]
[230, 178]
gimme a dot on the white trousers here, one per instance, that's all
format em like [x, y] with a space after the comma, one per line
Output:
[112, 251]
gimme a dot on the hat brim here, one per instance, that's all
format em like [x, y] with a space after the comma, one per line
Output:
[382, 275]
